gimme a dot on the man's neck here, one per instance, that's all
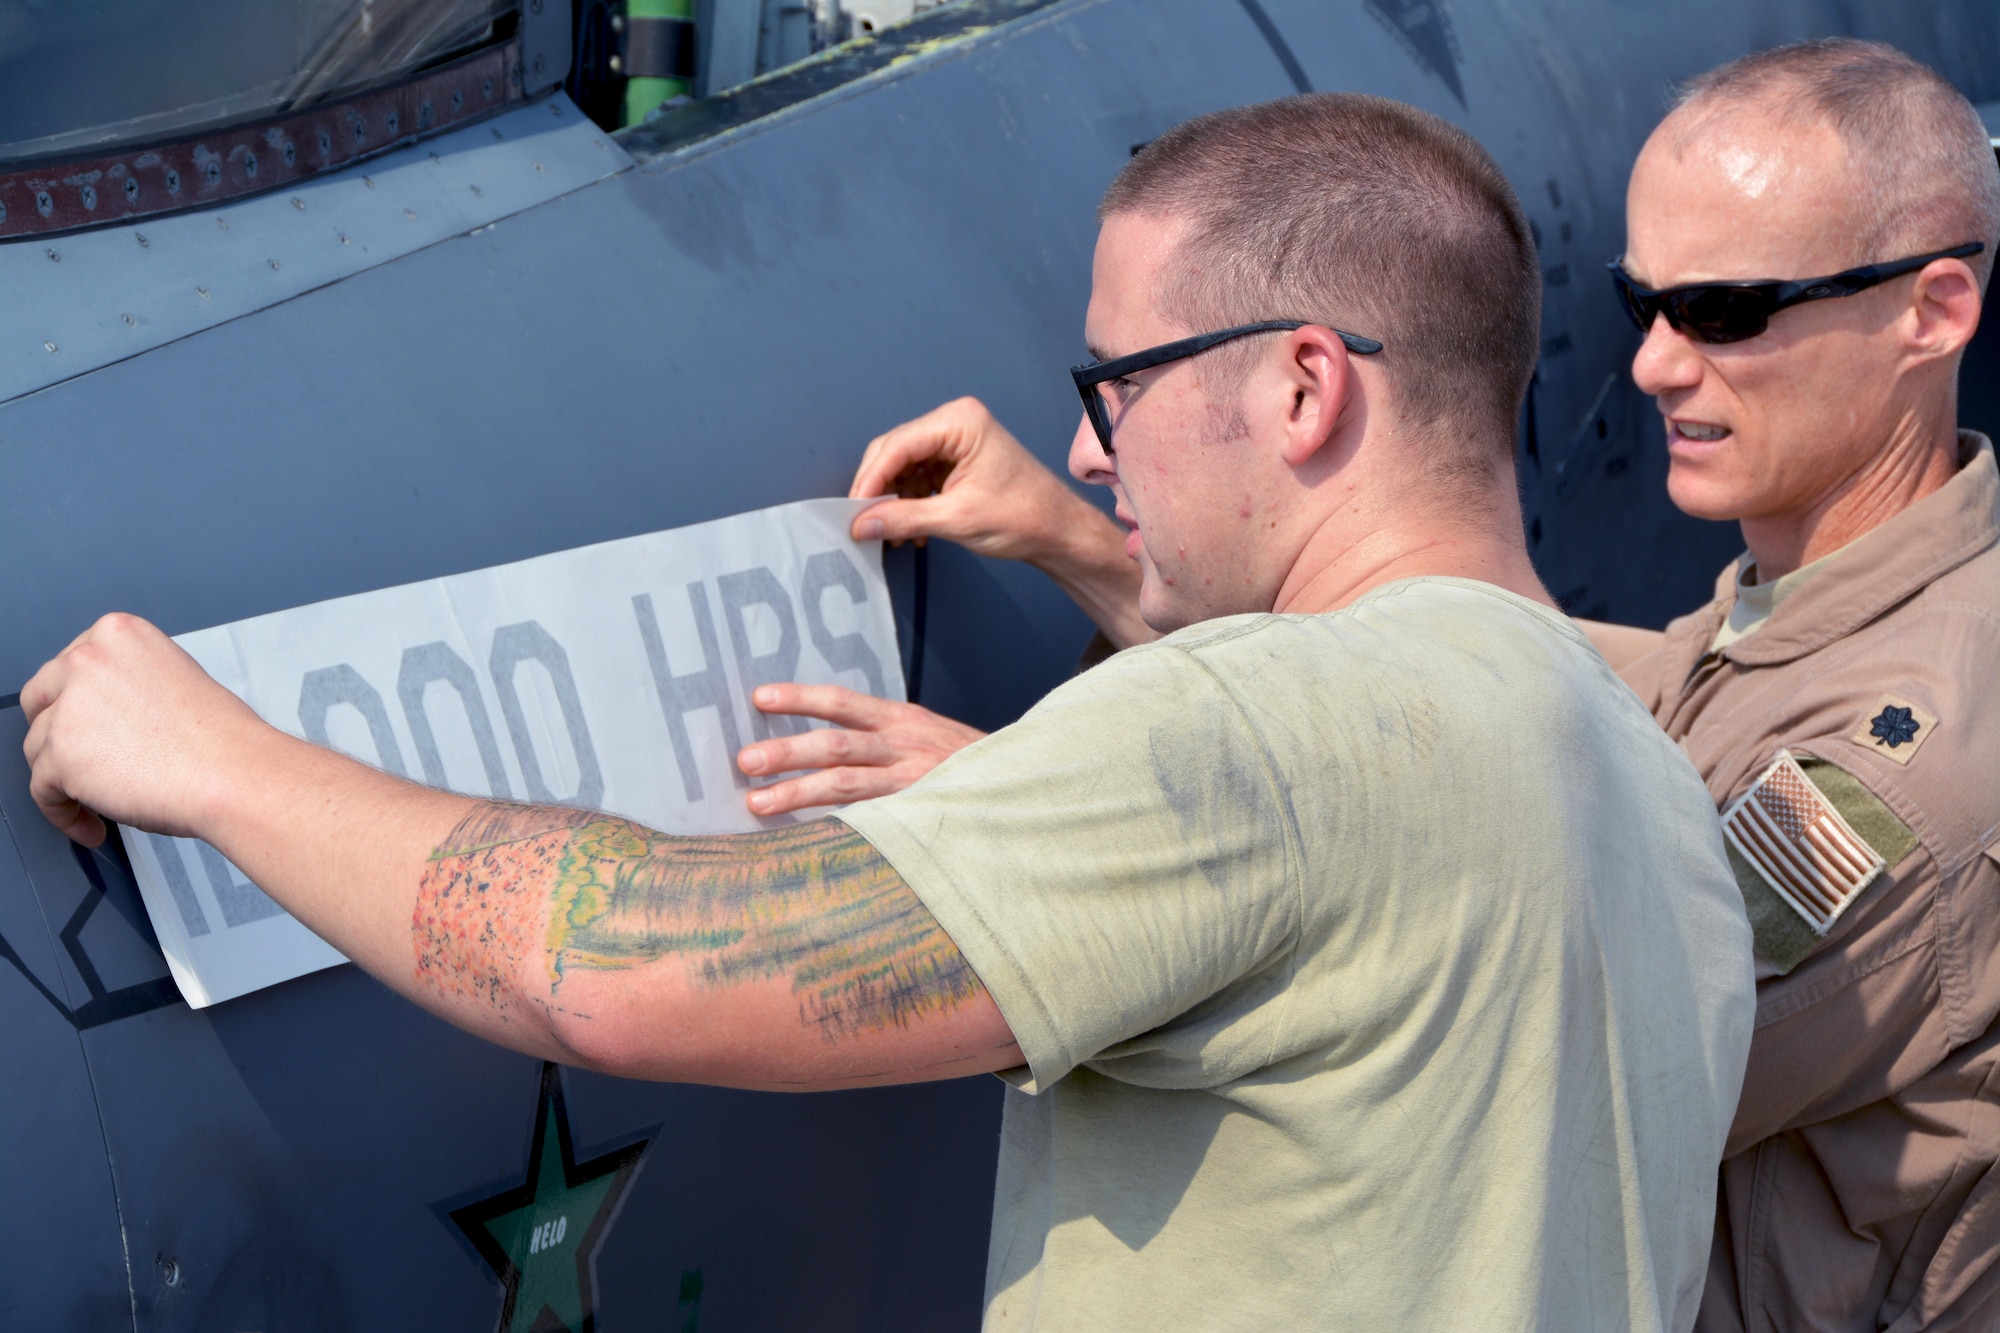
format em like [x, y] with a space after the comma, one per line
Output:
[1920, 456]
[1345, 559]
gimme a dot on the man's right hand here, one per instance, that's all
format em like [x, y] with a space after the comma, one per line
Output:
[955, 473]
[959, 474]
[963, 476]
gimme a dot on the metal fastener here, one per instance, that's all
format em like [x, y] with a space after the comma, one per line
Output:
[203, 291]
[132, 189]
[222, 223]
[141, 238]
[46, 343]
[89, 196]
[298, 203]
[53, 256]
[131, 321]
[273, 263]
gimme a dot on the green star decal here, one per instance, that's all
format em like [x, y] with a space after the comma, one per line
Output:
[542, 1235]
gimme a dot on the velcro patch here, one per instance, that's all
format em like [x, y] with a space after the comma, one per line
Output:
[1794, 838]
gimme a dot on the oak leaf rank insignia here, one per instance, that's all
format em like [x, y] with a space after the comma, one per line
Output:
[1894, 729]
[1894, 726]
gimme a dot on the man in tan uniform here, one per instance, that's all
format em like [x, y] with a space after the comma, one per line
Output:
[1855, 646]
[1837, 695]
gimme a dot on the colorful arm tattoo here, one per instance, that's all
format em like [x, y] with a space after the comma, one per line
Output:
[521, 890]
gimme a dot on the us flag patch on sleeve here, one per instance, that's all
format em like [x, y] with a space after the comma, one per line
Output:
[1811, 857]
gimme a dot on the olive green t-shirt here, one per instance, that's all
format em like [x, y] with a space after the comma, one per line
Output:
[1379, 969]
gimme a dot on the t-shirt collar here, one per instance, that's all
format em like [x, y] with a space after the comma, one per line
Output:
[1757, 602]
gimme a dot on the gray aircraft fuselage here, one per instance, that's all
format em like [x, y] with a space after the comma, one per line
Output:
[522, 334]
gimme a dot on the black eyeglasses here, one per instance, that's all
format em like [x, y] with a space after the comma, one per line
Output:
[1729, 312]
[1094, 373]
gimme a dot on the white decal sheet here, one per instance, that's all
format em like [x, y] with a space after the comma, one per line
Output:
[615, 676]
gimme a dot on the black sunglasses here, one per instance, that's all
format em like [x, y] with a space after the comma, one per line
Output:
[1729, 312]
[1094, 373]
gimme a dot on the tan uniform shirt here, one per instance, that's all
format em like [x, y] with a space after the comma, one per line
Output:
[1859, 1189]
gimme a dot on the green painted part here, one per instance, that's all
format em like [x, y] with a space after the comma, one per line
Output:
[542, 1239]
[642, 95]
[691, 1300]
[534, 1235]
[900, 44]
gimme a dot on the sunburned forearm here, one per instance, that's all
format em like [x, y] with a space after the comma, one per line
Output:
[340, 845]
[794, 958]
[520, 897]
[745, 958]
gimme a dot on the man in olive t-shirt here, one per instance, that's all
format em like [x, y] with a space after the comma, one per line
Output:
[1352, 994]
[1363, 955]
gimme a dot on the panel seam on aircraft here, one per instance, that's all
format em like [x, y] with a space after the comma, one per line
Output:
[83, 1054]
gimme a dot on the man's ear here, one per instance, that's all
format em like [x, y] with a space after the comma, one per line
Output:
[1946, 303]
[1319, 380]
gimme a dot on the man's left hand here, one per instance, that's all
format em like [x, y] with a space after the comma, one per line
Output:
[876, 747]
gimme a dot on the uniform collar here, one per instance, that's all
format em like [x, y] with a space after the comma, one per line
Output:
[1880, 569]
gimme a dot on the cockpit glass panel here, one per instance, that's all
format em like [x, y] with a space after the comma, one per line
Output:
[80, 74]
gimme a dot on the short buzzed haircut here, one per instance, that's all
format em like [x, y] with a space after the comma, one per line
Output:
[1913, 139]
[1370, 216]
